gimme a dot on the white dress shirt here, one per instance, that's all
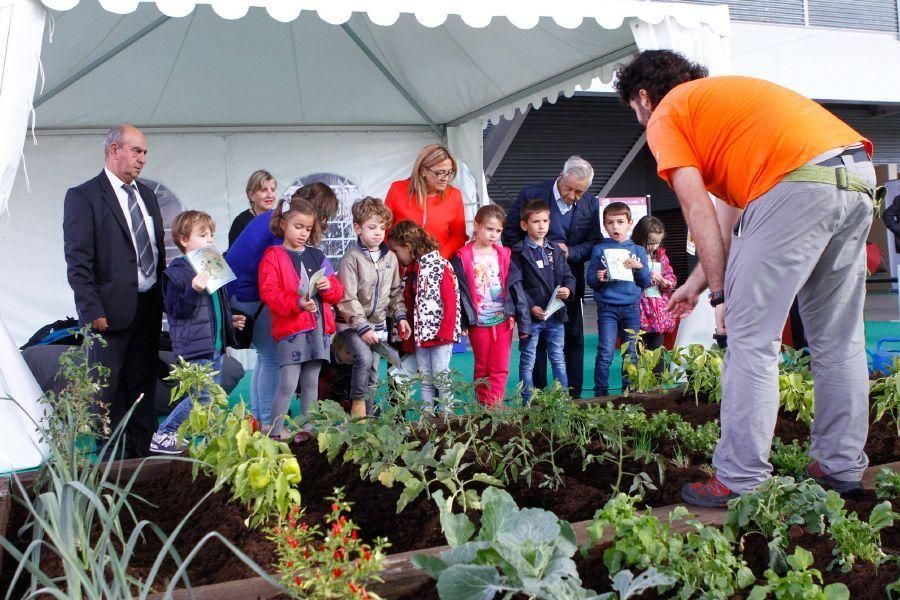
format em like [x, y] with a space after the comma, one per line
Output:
[144, 282]
[564, 206]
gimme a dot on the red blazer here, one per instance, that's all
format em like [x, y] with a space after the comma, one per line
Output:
[278, 283]
[448, 299]
[444, 218]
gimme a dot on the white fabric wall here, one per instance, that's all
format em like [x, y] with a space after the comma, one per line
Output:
[207, 171]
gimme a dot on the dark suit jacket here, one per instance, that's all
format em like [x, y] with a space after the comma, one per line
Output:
[101, 262]
[581, 237]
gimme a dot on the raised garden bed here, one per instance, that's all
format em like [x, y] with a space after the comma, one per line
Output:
[169, 488]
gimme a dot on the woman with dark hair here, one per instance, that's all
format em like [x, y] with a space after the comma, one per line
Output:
[244, 257]
[428, 200]
[261, 194]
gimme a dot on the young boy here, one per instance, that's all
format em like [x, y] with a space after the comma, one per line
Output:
[617, 291]
[370, 274]
[201, 325]
[542, 267]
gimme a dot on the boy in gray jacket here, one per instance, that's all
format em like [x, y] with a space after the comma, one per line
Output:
[370, 274]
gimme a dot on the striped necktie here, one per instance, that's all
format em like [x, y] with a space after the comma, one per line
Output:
[139, 228]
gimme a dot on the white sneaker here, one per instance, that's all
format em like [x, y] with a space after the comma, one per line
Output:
[166, 443]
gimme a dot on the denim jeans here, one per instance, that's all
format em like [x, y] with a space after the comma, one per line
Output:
[612, 321]
[554, 334]
[434, 365]
[265, 374]
[364, 375]
[183, 409]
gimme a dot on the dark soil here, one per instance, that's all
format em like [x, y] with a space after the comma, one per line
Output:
[171, 491]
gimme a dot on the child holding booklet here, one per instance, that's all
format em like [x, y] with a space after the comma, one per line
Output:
[488, 310]
[201, 325]
[618, 273]
[656, 321]
[542, 267]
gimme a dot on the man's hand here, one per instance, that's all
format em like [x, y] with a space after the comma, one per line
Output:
[370, 337]
[238, 322]
[404, 329]
[100, 324]
[720, 319]
[682, 302]
[199, 282]
[538, 313]
[563, 293]
[563, 247]
[308, 305]
[601, 275]
[632, 263]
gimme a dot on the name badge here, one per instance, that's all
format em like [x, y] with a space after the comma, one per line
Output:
[539, 263]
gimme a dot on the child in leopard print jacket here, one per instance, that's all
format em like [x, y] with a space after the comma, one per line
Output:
[432, 298]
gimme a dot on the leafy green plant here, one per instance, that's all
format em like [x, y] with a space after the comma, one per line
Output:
[651, 370]
[799, 583]
[628, 586]
[261, 472]
[333, 564]
[776, 505]
[790, 459]
[517, 551]
[622, 430]
[885, 393]
[856, 539]
[887, 483]
[795, 393]
[702, 370]
[701, 562]
[701, 439]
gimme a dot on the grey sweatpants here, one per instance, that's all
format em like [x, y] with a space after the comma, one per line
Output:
[805, 240]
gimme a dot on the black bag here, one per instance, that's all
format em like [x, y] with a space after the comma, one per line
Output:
[61, 332]
[244, 337]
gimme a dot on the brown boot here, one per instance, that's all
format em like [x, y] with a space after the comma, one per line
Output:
[357, 408]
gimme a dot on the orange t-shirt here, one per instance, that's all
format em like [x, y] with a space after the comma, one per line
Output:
[444, 218]
[742, 134]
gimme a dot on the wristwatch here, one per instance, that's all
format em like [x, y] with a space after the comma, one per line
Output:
[716, 298]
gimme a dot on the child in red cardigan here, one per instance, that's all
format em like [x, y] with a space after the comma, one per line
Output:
[432, 298]
[301, 305]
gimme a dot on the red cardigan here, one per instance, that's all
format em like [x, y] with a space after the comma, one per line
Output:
[278, 283]
[444, 218]
[448, 299]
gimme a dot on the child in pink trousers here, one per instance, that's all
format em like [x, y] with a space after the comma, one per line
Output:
[482, 268]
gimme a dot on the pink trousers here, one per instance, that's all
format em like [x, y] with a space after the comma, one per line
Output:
[491, 347]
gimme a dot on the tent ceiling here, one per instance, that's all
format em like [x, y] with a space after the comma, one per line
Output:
[203, 70]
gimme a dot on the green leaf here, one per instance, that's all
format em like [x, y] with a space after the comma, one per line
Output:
[432, 565]
[837, 591]
[469, 582]
[485, 478]
[529, 526]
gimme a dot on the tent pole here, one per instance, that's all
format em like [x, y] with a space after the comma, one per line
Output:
[626, 162]
[438, 129]
[499, 139]
[81, 73]
[597, 63]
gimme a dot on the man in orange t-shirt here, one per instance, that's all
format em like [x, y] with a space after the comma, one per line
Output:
[796, 185]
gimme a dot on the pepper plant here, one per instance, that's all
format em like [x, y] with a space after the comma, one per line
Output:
[885, 393]
[702, 370]
[651, 369]
[333, 564]
[887, 484]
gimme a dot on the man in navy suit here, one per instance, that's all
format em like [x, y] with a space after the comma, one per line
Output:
[115, 256]
[574, 227]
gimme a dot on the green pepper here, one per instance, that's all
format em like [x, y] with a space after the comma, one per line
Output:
[258, 474]
[291, 470]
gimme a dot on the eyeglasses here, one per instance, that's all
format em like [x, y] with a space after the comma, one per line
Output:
[442, 174]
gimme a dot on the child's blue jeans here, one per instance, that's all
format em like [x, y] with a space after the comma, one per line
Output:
[554, 335]
[183, 409]
[612, 321]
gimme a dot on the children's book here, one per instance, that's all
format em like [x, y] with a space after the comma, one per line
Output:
[616, 269]
[313, 280]
[554, 305]
[210, 261]
[391, 355]
[653, 290]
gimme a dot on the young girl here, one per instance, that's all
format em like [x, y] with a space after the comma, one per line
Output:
[655, 319]
[482, 268]
[302, 315]
[432, 297]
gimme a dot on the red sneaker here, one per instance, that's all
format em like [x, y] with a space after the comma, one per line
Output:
[708, 494]
[814, 471]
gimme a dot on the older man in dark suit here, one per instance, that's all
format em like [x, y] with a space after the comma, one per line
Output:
[575, 227]
[115, 256]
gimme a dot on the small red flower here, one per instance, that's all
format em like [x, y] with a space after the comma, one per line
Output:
[353, 587]
[296, 510]
[335, 508]
[306, 553]
[297, 580]
[292, 542]
[353, 535]
[304, 526]
[336, 573]
[290, 564]
[367, 554]
[277, 531]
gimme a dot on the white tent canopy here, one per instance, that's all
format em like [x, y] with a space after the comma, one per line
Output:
[224, 87]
